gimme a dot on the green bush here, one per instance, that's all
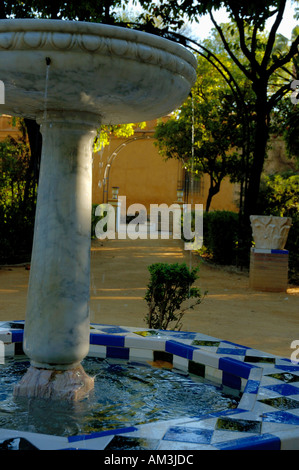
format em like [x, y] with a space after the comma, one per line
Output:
[169, 286]
[16, 233]
[220, 236]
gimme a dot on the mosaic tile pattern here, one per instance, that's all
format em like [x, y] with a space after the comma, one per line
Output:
[267, 416]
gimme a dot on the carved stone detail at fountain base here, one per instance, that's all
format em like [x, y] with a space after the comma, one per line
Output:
[72, 384]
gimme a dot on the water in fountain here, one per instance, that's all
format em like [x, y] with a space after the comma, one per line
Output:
[125, 394]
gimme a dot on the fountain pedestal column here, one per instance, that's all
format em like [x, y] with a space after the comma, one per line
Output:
[57, 322]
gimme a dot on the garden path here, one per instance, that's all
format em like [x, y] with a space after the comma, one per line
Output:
[119, 275]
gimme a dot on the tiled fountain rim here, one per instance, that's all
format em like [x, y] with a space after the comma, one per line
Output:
[267, 416]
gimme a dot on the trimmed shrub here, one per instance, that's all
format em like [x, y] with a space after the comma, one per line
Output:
[169, 286]
[220, 236]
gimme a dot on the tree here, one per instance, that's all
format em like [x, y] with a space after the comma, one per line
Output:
[17, 197]
[216, 122]
[90, 10]
[104, 11]
[258, 66]
[105, 132]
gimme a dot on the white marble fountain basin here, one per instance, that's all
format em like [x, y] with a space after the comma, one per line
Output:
[118, 74]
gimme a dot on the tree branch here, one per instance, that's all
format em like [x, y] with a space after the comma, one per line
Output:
[278, 96]
[272, 34]
[249, 54]
[287, 58]
[247, 73]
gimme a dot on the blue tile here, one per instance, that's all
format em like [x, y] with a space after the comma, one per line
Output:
[235, 367]
[188, 434]
[281, 417]
[180, 349]
[119, 353]
[231, 380]
[94, 435]
[252, 386]
[287, 368]
[284, 389]
[107, 340]
[262, 442]
[235, 344]
[17, 336]
[233, 352]
[114, 329]
[181, 334]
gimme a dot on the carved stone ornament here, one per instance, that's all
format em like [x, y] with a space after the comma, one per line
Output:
[270, 232]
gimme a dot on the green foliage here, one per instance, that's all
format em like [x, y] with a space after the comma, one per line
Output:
[105, 132]
[213, 119]
[89, 10]
[16, 233]
[291, 133]
[169, 286]
[280, 195]
[264, 61]
[220, 236]
[17, 199]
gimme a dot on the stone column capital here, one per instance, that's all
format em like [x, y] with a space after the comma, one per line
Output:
[63, 118]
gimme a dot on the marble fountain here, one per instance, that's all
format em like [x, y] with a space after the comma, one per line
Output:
[71, 77]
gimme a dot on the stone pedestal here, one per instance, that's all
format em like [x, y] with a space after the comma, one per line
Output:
[57, 325]
[268, 270]
[268, 259]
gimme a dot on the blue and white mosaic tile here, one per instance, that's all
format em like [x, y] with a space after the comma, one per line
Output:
[267, 415]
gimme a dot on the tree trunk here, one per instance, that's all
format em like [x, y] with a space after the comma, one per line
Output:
[214, 189]
[259, 156]
[35, 143]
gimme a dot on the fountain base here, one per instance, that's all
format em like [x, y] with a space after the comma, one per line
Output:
[72, 384]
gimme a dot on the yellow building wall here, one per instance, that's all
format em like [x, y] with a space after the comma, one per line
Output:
[144, 177]
[7, 128]
[228, 197]
[141, 174]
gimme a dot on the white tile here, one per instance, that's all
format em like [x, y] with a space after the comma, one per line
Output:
[153, 343]
[141, 354]
[289, 439]
[97, 351]
[247, 401]
[9, 349]
[176, 445]
[205, 357]
[180, 363]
